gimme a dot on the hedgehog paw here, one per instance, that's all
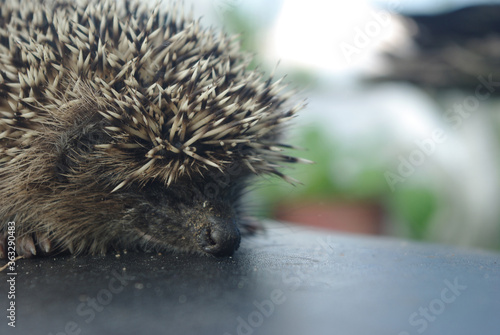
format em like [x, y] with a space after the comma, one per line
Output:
[25, 245]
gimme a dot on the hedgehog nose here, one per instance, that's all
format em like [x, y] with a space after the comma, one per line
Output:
[220, 240]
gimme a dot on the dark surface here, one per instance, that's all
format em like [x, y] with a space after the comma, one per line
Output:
[321, 283]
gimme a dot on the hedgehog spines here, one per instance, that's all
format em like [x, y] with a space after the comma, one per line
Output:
[180, 94]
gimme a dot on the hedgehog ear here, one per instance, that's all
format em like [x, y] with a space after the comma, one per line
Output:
[73, 149]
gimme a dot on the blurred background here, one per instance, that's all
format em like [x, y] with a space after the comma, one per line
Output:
[403, 113]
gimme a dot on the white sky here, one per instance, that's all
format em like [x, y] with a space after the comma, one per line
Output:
[331, 37]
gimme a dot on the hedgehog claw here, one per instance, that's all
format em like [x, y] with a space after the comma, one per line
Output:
[43, 243]
[26, 246]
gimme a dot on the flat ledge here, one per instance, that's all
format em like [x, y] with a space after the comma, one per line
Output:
[288, 281]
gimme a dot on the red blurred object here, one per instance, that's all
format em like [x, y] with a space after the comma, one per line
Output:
[346, 216]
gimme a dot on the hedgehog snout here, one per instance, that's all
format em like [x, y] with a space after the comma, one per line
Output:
[219, 237]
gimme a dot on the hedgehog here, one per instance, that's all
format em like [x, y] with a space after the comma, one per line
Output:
[125, 126]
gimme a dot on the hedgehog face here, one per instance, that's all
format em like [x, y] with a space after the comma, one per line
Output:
[189, 216]
[194, 213]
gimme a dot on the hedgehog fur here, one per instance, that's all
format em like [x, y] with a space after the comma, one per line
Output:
[124, 126]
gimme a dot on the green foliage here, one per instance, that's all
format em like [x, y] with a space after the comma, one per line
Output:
[411, 206]
[321, 180]
[415, 207]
